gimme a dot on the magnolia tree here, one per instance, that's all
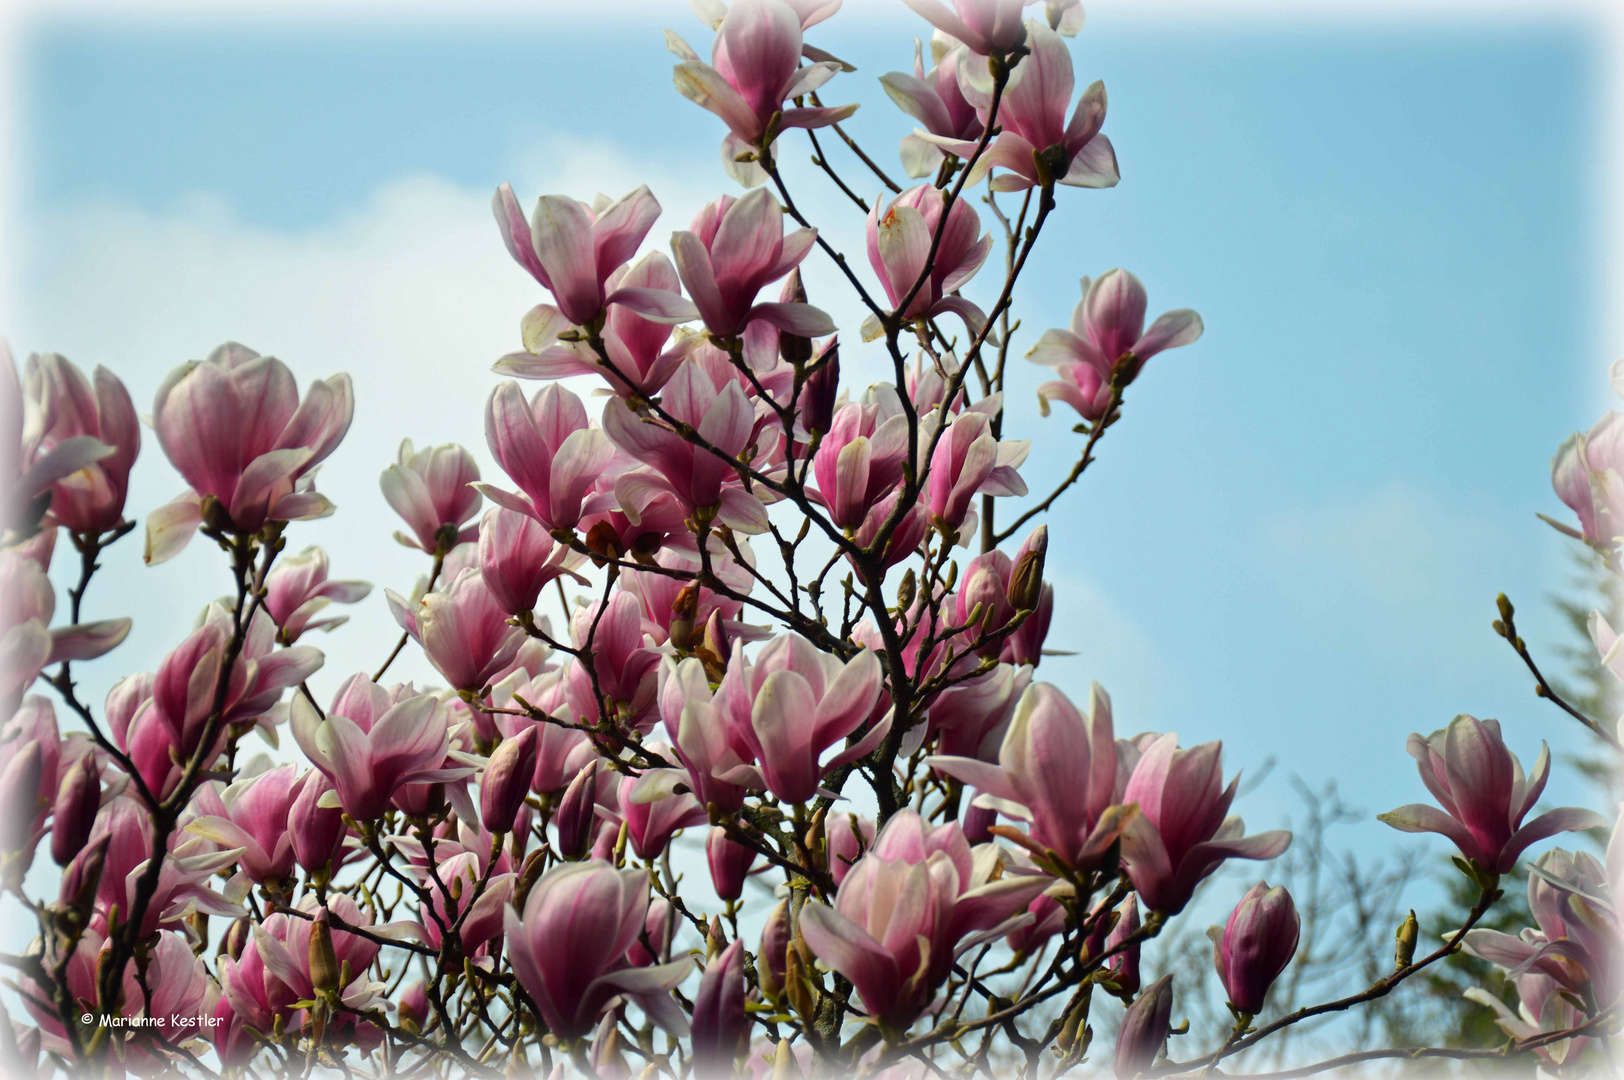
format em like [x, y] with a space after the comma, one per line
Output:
[794, 627]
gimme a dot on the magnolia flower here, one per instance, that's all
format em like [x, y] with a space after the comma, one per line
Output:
[552, 453]
[624, 659]
[1484, 795]
[463, 630]
[1056, 770]
[517, 559]
[969, 461]
[372, 743]
[481, 917]
[729, 863]
[636, 360]
[28, 471]
[700, 479]
[297, 589]
[1256, 945]
[182, 887]
[899, 250]
[1037, 144]
[937, 102]
[236, 429]
[859, 462]
[754, 69]
[64, 410]
[574, 249]
[505, 781]
[28, 644]
[432, 490]
[1588, 475]
[1001, 587]
[720, 1020]
[254, 815]
[986, 26]
[790, 706]
[651, 825]
[908, 907]
[1107, 341]
[569, 947]
[1182, 832]
[734, 249]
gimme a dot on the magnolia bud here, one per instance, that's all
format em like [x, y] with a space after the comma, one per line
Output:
[575, 816]
[1026, 579]
[533, 866]
[603, 540]
[236, 938]
[684, 609]
[506, 781]
[1144, 1030]
[1257, 943]
[729, 862]
[323, 960]
[822, 389]
[715, 937]
[720, 1020]
[797, 987]
[77, 894]
[716, 645]
[1111, 933]
[77, 800]
[1408, 932]
[784, 1066]
[775, 946]
[794, 349]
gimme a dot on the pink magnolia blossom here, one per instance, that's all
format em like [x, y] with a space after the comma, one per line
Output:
[1484, 794]
[66, 409]
[283, 946]
[432, 490]
[297, 590]
[1256, 945]
[662, 594]
[720, 1021]
[1037, 144]
[316, 832]
[1107, 340]
[236, 429]
[638, 354]
[463, 630]
[790, 706]
[755, 68]
[908, 907]
[707, 746]
[370, 744]
[28, 643]
[254, 815]
[969, 461]
[517, 559]
[734, 249]
[700, 479]
[552, 453]
[972, 717]
[937, 102]
[568, 949]
[624, 662]
[1057, 770]
[986, 26]
[990, 581]
[848, 836]
[574, 249]
[183, 880]
[1588, 475]
[905, 539]
[859, 462]
[27, 469]
[1182, 832]
[505, 781]
[729, 863]
[481, 912]
[652, 824]
[899, 250]
[73, 812]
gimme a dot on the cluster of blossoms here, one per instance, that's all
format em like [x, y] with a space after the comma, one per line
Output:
[504, 872]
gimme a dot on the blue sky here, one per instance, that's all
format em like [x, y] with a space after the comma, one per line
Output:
[1293, 542]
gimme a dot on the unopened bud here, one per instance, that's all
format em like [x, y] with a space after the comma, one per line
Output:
[77, 896]
[906, 590]
[730, 863]
[797, 987]
[1504, 604]
[1026, 579]
[77, 800]
[323, 960]
[822, 389]
[236, 938]
[794, 349]
[771, 957]
[715, 938]
[528, 876]
[575, 816]
[784, 1066]
[603, 540]
[1408, 933]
